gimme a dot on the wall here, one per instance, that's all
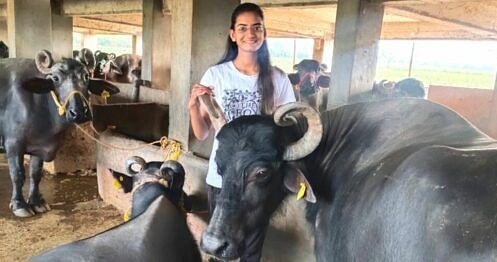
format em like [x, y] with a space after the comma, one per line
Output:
[472, 103]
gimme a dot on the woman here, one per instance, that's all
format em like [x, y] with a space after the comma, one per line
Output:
[243, 83]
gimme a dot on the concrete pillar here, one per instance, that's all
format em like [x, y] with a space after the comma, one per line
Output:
[156, 46]
[3, 32]
[90, 41]
[34, 25]
[493, 113]
[357, 33]
[29, 27]
[61, 32]
[139, 44]
[317, 53]
[194, 48]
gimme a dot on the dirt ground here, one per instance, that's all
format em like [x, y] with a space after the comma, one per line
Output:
[77, 212]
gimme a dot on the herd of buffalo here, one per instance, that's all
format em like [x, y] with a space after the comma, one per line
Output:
[397, 178]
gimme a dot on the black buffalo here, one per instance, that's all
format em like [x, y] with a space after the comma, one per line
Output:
[31, 122]
[86, 57]
[396, 180]
[409, 87]
[101, 59]
[157, 230]
[311, 84]
[125, 68]
[4, 50]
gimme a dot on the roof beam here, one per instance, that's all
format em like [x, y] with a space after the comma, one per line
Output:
[425, 30]
[434, 14]
[102, 25]
[99, 7]
[281, 3]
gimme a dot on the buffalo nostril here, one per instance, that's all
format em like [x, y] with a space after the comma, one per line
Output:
[213, 245]
[73, 113]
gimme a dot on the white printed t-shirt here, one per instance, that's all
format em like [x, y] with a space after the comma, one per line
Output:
[238, 95]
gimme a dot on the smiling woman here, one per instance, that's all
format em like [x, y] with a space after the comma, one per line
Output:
[243, 83]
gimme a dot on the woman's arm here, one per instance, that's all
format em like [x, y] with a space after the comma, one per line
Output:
[198, 117]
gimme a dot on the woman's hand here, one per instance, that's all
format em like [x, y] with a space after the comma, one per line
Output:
[199, 118]
[198, 90]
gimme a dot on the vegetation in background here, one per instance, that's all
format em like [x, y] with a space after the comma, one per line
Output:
[471, 64]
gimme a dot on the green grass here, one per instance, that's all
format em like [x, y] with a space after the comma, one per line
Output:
[445, 78]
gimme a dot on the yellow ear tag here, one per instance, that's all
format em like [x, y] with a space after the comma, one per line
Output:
[105, 94]
[127, 216]
[116, 184]
[301, 192]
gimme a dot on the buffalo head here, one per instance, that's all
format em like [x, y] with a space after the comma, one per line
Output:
[147, 181]
[256, 159]
[69, 83]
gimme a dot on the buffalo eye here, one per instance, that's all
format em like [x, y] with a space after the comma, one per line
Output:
[261, 174]
[56, 79]
[86, 77]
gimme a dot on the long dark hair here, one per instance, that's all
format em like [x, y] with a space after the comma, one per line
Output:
[265, 69]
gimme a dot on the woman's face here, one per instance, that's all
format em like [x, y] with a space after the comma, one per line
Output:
[249, 32]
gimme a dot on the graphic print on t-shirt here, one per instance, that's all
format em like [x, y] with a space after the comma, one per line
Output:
[238, 103]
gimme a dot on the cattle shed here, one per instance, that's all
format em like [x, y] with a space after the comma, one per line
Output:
[180, 39]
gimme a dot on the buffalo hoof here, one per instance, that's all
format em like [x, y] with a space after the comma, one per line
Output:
[20, 209]
[39, 206]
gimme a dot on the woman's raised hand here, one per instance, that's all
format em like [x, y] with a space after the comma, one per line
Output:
[197, 90]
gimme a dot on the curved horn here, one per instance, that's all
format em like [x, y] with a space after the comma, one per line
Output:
[178, 178]
[134, 160]
[86, 55]
[44, 61]
[310, 140]
[215, 113]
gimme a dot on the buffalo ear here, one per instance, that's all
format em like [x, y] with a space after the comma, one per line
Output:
[38, 85]
[114, 68]
[294, 78]
[292, 180]
[97, 86]
[122, 181]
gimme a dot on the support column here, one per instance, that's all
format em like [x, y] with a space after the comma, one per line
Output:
[29, 27]
[156, 45]
[133, 44]
[317, 53]
[194, 48]
[3, 31]
[493, 113]
[61, 32]
[34, 25]
[90, 41]
[357, 33]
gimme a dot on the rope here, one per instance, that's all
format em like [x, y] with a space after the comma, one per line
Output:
[61, 108]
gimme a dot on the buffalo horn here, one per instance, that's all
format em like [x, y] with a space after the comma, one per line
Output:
[134, 160]
[284, 116]
[44, 61]
[176, 167]
[216, 115]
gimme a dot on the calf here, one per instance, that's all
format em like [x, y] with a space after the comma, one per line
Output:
[101, 59]
[311, 84]
[123, 69]
[86, 57]
[157, 230]
[39, 100]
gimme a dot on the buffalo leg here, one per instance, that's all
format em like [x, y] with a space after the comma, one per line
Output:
[16, 170]
[35, 200]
